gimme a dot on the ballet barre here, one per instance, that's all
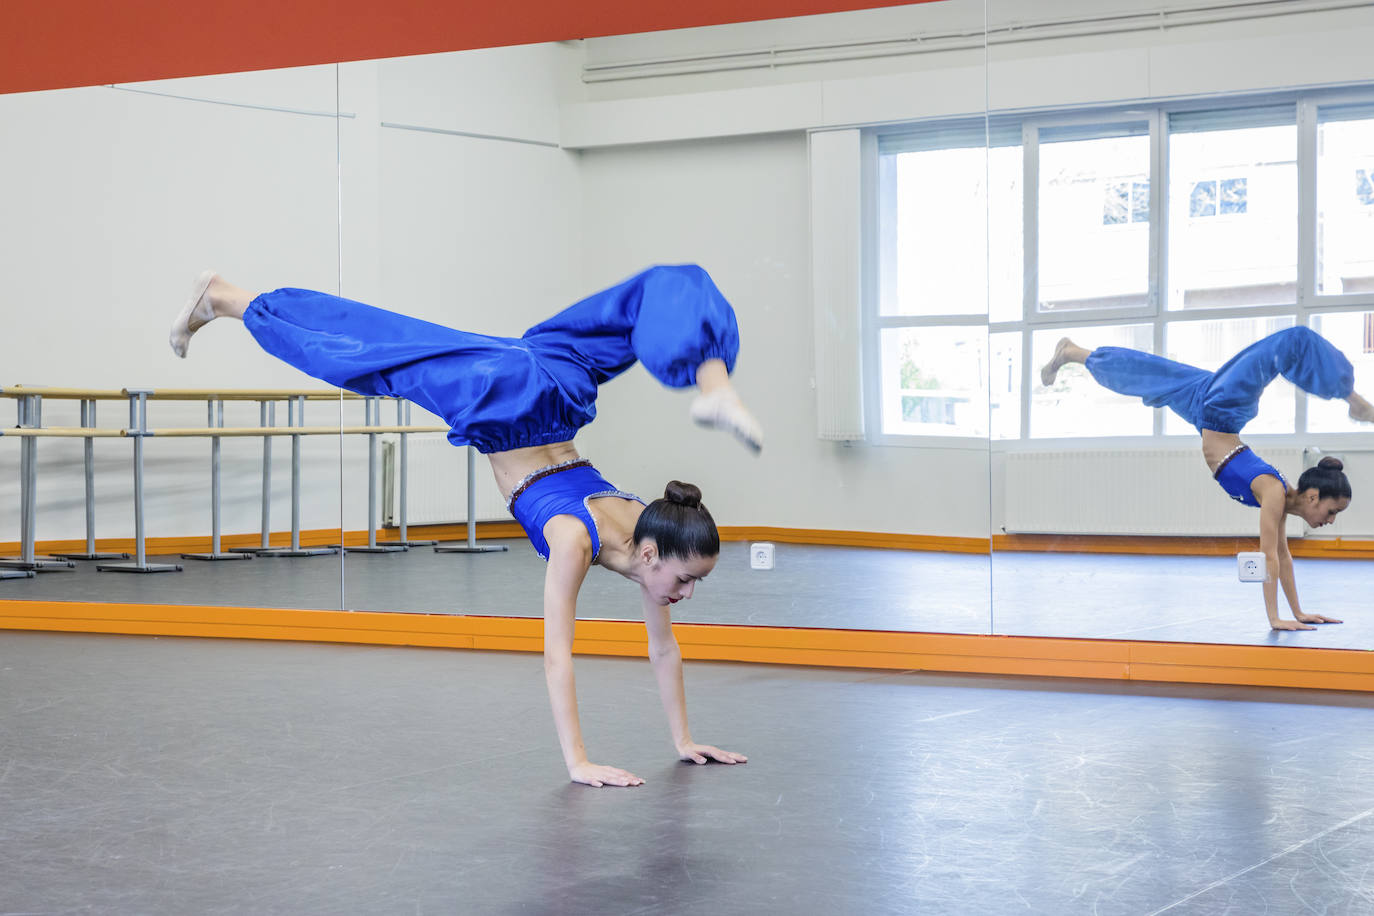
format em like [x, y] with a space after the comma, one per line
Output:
[29, 430]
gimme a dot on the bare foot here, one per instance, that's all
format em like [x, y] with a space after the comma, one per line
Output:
[722, 409]
[1051, 368]
[193, 316]
[1360, 409]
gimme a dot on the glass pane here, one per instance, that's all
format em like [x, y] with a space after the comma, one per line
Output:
[1233, 208]
[934, 381]
[933, 225]
[1208, 344]
[1094, 224]
[1075, 405]
[1004, 388]
[1006, 254]
[1353, 334]
[1345, 207]
[115, 199]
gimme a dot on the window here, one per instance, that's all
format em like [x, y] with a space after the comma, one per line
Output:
[943, 262]
[1233, 229]
[1345, 199]
[1172, 230]
[1092, 254]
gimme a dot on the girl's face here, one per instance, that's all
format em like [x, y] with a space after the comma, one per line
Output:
[1318, 512]
[668, 580]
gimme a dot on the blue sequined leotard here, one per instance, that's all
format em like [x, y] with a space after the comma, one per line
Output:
[1238, 471]
[562, 489]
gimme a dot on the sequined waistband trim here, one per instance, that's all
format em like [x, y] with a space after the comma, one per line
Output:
[543, 472]
[1229, 455]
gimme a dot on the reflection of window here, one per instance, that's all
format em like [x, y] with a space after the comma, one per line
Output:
[1126, 202]
[1233, 195]
[1208, 198]
[1364, 188]
[1203, 199]
[1369, 332]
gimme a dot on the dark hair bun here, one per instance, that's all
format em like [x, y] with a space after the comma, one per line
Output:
[1331, 463]
[684, 494]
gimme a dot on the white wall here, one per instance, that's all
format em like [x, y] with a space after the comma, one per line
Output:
[527, 188]
[114, 200]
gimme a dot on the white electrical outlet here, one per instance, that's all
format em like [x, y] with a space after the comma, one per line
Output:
[760, 556]
[1251, 567]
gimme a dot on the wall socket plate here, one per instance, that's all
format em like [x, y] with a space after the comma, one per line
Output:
[1250, 567]
[761, 556]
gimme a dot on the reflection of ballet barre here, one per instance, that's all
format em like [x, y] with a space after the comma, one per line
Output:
[29, 401]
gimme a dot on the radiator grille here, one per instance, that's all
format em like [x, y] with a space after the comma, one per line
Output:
[436, 486]
[1143, 492]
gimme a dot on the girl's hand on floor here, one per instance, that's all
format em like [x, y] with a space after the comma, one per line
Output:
[594, 774]
[697, 753]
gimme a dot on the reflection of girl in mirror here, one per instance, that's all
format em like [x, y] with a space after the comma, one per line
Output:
[519, 401]
[1219, 404]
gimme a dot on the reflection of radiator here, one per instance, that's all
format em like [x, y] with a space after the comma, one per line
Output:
[436, 484]
[1115, 491]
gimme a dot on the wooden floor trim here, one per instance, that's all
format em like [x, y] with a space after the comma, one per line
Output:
[1266, 666]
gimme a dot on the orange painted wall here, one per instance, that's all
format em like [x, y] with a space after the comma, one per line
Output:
[48, 44]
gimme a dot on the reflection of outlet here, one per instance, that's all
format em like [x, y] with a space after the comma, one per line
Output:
[1251, 567]
[760, 556]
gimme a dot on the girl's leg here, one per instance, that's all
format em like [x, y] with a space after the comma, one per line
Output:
[1360, 409]
[211, 297]
[718, 406]
[1065, 352]
[671, 319]
[1300, 355]
[1156, 380]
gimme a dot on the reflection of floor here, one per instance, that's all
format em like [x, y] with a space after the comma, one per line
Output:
[1191, 599]
[1179, 599]
[846, 587]
[175, 776]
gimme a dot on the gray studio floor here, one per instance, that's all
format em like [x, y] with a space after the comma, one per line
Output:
[1190, 599]
[182, 776]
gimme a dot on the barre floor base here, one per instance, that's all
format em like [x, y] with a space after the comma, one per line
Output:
[173, 776]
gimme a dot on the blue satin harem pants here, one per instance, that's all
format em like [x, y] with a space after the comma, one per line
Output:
[1227, 399]
[501, 393]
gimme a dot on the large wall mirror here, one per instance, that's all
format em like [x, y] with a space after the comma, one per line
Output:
[1180, 187]
[116, 198]
[486, 190]
[839, 197]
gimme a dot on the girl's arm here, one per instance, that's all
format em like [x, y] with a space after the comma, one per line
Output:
[1290, 587]
[570, 555]
[666, 658]
[1271, 495]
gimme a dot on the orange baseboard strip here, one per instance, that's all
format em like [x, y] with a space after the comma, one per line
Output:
[1262, 666]
[1334, 548]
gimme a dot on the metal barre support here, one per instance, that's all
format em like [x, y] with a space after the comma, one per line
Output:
[138, 429]
[471, 546]
[88, 448]
[372, 416]
[215, 419]
[30, 414]
[295, 416]
[267, 416]
[403, 419]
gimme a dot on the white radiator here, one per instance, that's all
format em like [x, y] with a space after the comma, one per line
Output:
[1142, 492]
[436, 483]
